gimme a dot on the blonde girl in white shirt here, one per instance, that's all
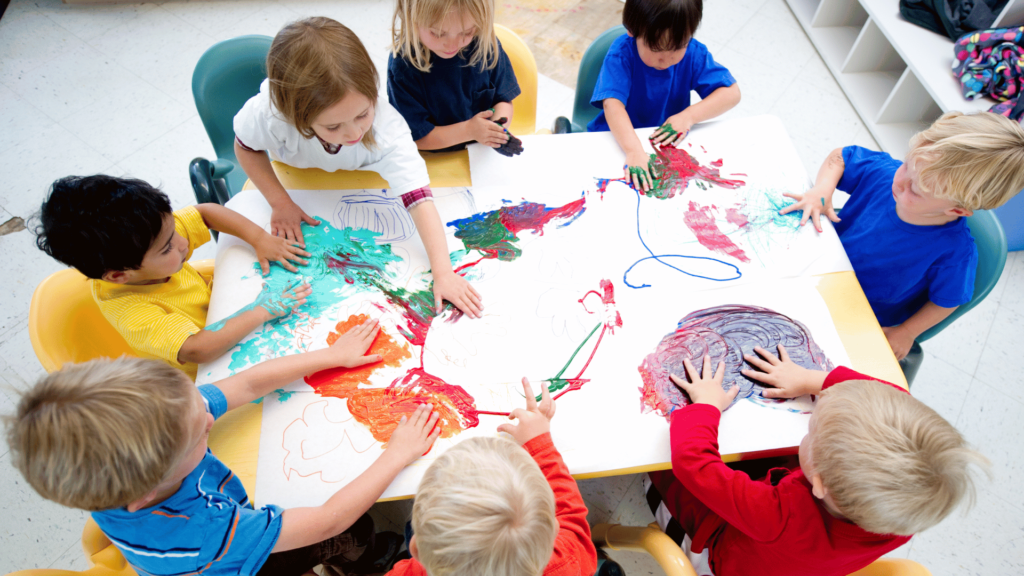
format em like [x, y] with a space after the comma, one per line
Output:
[318, 108]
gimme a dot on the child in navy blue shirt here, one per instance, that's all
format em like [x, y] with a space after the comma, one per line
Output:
[449, 77]
[903, 226]
[127, 440]
[647, 77]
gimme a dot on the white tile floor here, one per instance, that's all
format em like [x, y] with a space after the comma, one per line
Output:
[106, 88]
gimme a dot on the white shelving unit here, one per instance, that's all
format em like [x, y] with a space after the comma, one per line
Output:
[897, 75]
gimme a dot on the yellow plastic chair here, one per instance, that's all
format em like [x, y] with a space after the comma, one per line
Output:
[524, 120]
[651, 540]
[65, 324]
[105, 558]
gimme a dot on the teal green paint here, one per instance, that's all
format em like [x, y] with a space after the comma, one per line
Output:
[283, 396]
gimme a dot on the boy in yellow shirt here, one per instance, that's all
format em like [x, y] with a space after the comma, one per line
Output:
[122, 233]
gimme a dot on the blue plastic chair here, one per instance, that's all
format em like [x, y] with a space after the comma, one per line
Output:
[991, 242]
[590, 68]
[226, 76]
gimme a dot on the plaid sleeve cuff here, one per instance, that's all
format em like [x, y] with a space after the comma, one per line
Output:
[244, 147]
[417, 196]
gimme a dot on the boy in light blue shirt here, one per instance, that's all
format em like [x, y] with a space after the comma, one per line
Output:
[127, 440]
[903, 227]
[647, 77]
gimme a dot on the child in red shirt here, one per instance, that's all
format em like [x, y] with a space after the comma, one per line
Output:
[876, 467]
[489, 506]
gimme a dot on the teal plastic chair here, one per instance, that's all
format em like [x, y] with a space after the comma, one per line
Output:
[991, 242]
[226, 76]
[590, 68]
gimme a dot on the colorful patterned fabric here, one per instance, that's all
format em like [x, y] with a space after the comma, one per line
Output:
[417, 196]
[991, 63]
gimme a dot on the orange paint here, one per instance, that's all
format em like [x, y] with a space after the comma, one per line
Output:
[344, 378]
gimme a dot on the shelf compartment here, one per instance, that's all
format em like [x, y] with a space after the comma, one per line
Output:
[839, 13]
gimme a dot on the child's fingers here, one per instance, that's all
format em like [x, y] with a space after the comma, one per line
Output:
[264, 266]
[832, 215]
[364, 360]
[783, 355]
[507, 428]
[705, 371]
[767, 356]
[680, 382]
[757, 363]
[759, 376]
[719, 372]
[691, 372]
[732, 392]
[531, 402]
[545, 398]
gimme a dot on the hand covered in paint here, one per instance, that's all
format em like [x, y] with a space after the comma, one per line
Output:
[485, 131]
[900, 340]
[457, 290]
[514, 146]
[814, 203]
[281, 304]
[414, 435]
[533, 421]
[673, 130]
[349, 350]
[786, 378]
[276, 249]
[286, 222]
[707, 387]
[637, 170]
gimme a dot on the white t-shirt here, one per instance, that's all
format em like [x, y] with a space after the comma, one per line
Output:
[261, 127]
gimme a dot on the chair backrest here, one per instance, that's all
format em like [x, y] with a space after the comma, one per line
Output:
[226, 76]
[66, 325]
[590, 68]
[991, 242]
[524, 120]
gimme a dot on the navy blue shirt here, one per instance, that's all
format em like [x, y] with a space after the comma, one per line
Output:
[900, 266]
[452, 92]
[652, 95]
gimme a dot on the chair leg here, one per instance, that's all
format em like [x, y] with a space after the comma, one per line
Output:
[562, 126]
[912, 363]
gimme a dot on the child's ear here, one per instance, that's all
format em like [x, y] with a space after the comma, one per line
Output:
[958, 211]
[116, 276]
[141, 502]
[817, 487]
[413, 550]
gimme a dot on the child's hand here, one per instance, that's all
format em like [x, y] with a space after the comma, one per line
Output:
[707, 388]
[814, 203]
[276, 249]
[280, 304]
[486, 132]
[787, 379]
[533, 421]
[414, 436]
[900, 340]
[672, 131]
[286, 222]
[514, 146]
[637, 170]
[457, 290]
[349, 350]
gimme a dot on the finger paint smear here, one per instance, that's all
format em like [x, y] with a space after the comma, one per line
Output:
[701, 222]
[725, 333]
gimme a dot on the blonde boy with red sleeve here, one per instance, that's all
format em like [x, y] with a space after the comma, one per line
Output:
[503, 508]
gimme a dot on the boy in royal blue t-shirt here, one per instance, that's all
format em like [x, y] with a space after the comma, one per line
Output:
[903, 226]
[647, 77]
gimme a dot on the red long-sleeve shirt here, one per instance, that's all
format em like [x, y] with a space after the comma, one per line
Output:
[760, 528]
[574, 553]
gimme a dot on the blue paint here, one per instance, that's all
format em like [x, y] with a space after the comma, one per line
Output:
[659, 257]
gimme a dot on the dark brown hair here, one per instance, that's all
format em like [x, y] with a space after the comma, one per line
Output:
[663, 25]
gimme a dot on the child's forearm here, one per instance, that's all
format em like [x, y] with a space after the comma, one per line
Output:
[209, 344]
[265, 377]
[831, 172]
[621, 126]
[503, 110]
[428, 224]
[929, 315]
[305, 526]
[258, 168]
[230, 222]
[445, 136]
[717, 103]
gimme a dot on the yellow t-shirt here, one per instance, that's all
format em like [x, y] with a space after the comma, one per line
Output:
[156, 319]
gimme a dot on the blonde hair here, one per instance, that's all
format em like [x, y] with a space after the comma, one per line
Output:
[102, 434]
[484, 507]
[891, 464]
[975, 160]
[311, 65]
[411, 14]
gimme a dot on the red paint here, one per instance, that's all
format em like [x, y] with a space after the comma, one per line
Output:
[717, 163]
[533, 216]
[676, 168]
[701, 222]
[735, 216]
